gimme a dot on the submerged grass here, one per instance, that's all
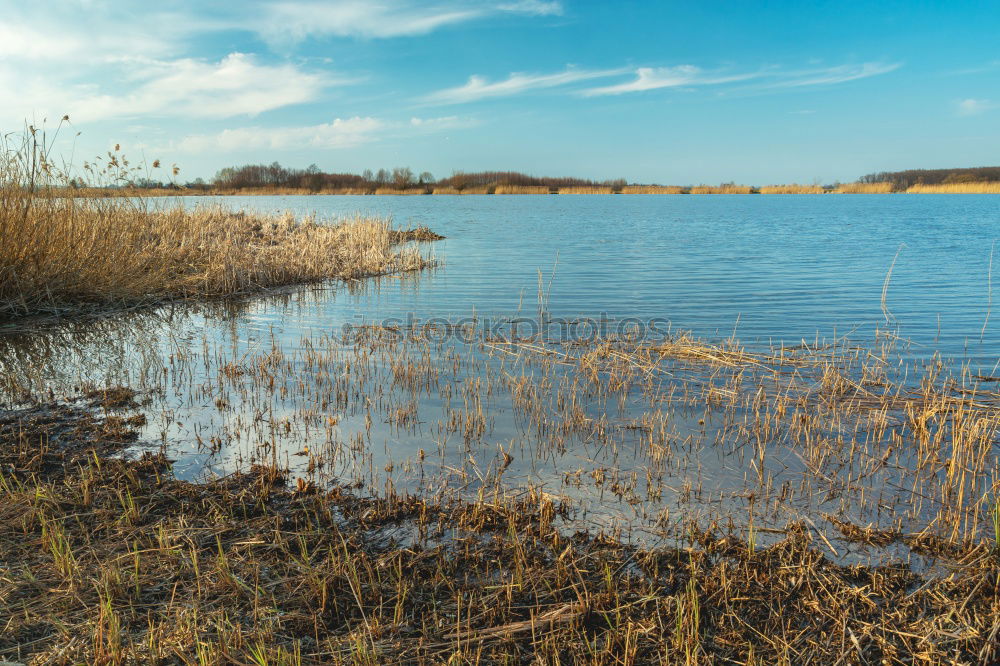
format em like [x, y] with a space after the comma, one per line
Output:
[108, 561]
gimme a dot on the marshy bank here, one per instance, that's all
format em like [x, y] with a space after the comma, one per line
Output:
[855, 517]
[62, 256]
[109, 561]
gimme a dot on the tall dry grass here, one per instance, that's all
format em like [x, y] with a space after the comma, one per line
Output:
[652, 189]
[408, 191]
[464, 190]
[60, 254]
[521, 189]
[721, 189]
[956, 188]
[865, 188]
[596, 189]
[794, 188]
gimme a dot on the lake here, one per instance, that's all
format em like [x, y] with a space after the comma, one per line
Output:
[273, 378]
[771, 267]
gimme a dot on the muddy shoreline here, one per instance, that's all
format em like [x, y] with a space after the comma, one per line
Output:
[108, 560]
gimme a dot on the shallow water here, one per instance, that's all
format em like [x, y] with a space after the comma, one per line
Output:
[271, 379]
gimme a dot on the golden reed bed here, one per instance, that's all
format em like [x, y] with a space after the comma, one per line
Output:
[794, 188]
[721, 189]
[521, 189]
[62, 254]
[956, 188]
[652, 189]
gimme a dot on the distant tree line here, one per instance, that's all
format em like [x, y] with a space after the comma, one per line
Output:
[312, 178]
[461, 179]
[902, 180]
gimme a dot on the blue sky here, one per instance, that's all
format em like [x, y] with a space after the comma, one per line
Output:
[669, 92]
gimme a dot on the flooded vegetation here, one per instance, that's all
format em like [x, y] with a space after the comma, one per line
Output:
[369, 471]
[450, 493]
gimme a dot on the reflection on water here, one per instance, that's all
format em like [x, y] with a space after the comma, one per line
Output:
[627, 442]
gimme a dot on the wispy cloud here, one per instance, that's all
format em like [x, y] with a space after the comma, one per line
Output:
[236, 85]
[477, 87]
[833, 75]
[652, 78]
[688, 76]
[534, 7]
[973, 107]
[295, 20]
[339, 134]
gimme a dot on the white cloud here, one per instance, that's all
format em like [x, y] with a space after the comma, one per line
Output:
[650, 78]
[236, 85]
[839, 74]
[973, 107]
[478, 88]
[534, 7]
[78, 34]
[341, 133]
[445, 122]
[295, 20]
[24, 42]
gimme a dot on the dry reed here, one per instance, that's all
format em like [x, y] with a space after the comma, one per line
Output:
[59, 254]
[956, 188]
[407, 191]
[792, 189]
[521, 189]
[652, 189]
[66, 253]
[865, 188]
[722, 189]
[114, 562]
[586, 190]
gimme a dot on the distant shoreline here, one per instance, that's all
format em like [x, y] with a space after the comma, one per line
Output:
[850, 188]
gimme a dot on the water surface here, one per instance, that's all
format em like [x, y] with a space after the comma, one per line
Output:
[271, 378]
